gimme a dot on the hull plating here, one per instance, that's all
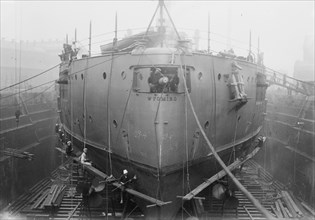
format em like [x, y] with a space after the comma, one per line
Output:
[109, 107]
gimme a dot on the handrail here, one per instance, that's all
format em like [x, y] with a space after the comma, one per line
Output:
[290, 83]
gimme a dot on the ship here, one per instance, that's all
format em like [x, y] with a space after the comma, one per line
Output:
[28, 114]
[289, 154]
[152, 106]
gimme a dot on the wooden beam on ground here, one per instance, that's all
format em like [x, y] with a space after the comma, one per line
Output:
[276, 212]
[308, 208]
[278, 209]
[195, 197]
[219, 175]
[248, 213]
[288, 204]
[73, 211]
[295, 207]
[284, 213]
[118, 185]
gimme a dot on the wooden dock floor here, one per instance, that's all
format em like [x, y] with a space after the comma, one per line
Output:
[106, 205]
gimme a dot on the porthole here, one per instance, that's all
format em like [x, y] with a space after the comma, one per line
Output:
[200, 75]
[81, 75]
[115, 123]
[104, 75]
[219, 76]
[207, 124]
[123, 75]
[90, 118]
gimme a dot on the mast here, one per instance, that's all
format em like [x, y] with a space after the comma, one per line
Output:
[20, 70]
[169, 16]
[228, 40]
[208, 32]
[258, 48]
[250, 41]
[75, 35]
[90, 38]
[161, 28]
[115, 38]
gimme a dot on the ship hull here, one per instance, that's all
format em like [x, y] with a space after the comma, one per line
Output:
[107, 106]
[169, 186]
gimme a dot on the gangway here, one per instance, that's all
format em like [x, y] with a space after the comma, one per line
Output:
[291, 84]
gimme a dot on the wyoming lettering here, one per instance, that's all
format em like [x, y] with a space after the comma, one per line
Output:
[167, 98]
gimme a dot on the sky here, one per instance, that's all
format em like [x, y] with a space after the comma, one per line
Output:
[280, 25]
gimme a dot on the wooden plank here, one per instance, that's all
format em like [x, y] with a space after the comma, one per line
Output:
[278, 209]
[73, 211]
[284, 213]
[288, 204]
[296, 208]
[276, 212]
[248, 213]
[43, 196]
[308, 208]
[47, 201]
[120, 186]
[288, 212]
[60, 197]
[218, 176]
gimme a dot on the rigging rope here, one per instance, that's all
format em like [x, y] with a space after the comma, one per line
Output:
[30, 78]
[186, 140]
[64, 77]
[127, 102]
[235, 131]
[84, 102]
[52, 81]
[159, 148]
[39, 93]
[29, 98]
[108, 116]
[217, 157]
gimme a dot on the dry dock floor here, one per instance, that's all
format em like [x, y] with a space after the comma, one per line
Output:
[58, 197]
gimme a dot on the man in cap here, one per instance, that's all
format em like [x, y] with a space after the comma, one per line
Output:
[123, 179]
[153, 80]
[69, 148]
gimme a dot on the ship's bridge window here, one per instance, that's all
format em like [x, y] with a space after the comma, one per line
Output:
[160, 79]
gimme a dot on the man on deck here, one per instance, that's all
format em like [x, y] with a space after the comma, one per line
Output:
[153, 80]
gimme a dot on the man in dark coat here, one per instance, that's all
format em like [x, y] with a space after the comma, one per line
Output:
[153, 80]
